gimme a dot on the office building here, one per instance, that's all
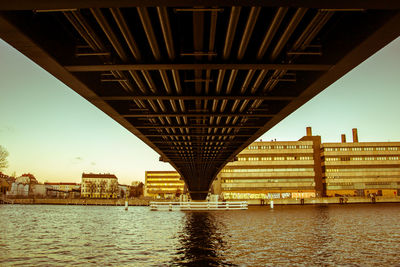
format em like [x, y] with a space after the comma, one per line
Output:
[361, 168]
[163, 184]
[305, 168]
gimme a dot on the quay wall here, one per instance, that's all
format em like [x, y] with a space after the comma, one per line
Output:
[328, 200]
[251, 202]
[77, 201]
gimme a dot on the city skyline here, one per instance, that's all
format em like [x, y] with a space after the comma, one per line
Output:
[54, 133]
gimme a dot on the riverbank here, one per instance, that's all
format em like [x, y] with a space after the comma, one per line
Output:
[78, 201]
[328, 200]
[251, 202]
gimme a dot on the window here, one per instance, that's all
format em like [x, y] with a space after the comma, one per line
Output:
[368, 148]
[344, 149]
[392, 148]
[356, 158]
[289, 158]
[266, 158]
[332, 159]
[291, 147]
[356, 148]
[242, 159]
[381, 148]
[279, 158]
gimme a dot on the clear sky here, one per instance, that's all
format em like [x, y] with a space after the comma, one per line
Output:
[54, 133]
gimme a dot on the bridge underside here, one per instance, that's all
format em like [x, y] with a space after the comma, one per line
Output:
[198, 81]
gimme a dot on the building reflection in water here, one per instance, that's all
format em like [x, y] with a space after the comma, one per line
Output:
[201, 242]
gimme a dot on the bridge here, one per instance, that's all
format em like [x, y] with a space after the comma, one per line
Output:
[198, 81]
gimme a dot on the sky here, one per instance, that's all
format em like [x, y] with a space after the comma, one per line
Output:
[55, 134]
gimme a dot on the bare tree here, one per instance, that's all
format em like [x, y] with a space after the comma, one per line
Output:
[91, 187]
[113, 188]
[102, 188]
[136, 191]
[3, 158]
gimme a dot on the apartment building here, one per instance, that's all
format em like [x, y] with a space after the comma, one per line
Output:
[99, 185]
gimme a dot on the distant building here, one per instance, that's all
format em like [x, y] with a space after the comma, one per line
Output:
[8, 178]
[163, 184]
[361, 168]
[63, 190]
[267, 170]
[99, 185]
[300, 169]
[23, 186]
[26, 178]
[4, 186]
[123, 190]
[39, 190]
[136, 183]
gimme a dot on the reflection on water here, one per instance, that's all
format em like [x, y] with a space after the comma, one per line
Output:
[200, 241]
[355, 235]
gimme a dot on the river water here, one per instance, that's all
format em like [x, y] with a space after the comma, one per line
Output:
[346, 235]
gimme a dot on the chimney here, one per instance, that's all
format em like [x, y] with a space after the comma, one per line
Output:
[355, 135]
[309, 131]
[343, 138]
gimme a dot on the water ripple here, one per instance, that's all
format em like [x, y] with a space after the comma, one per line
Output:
[347, 235]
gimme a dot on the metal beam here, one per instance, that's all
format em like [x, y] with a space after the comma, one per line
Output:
[68, 4]
[196, 115]
[196, 126]
[198, 97]
[204, 66]
[199, 135]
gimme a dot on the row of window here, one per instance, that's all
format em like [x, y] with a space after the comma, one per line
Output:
[164, 179]
[274, 158]
[270, 170]
[350, 184]
[292, 180]
[163, 189]
[96, 190]
[253, 147]
[166, 184]
[371, 176]
[363, 170]
[361, 148]
[360, 158]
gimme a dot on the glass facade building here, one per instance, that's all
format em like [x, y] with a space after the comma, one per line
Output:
[163, 184]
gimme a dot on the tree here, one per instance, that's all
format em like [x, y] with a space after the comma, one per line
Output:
[103, 184]
[113, 188]
[91, 187]
[136, 191]
[3, 158]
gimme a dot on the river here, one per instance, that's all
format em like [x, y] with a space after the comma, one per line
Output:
[346, 235]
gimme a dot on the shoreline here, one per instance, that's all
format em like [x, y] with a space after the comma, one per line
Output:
[251, 202]
[77, 201]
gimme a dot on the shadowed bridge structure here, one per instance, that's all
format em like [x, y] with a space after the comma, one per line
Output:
[198, 81]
